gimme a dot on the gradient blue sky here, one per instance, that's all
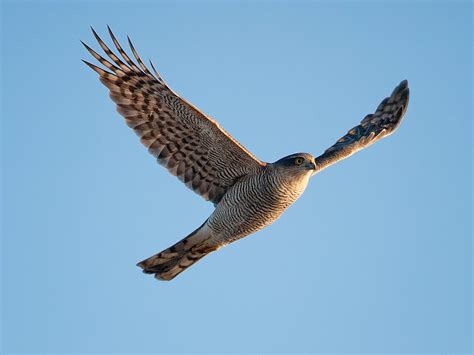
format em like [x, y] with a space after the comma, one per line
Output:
[376, 255]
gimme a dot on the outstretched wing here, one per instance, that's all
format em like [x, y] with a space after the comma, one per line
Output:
[373, 127]
[188, 143]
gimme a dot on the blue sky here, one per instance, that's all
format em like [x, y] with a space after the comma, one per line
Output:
[376, 255]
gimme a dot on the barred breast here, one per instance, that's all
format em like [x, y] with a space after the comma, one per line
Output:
[254, 202]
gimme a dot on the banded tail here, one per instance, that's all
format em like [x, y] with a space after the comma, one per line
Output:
[169, 263]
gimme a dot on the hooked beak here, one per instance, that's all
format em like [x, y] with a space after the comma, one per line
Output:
[312, 166]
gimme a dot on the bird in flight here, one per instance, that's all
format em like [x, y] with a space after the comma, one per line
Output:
[248, 194]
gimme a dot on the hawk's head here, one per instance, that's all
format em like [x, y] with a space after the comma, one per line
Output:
[297, 164]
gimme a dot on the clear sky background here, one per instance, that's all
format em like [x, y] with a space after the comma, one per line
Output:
[376, 255]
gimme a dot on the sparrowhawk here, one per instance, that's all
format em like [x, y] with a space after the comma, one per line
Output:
[248, 194]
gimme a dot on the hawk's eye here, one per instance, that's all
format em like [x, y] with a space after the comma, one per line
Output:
[299, 161]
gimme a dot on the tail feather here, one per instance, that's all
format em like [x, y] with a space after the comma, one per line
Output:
[170, 262]
[167, 269]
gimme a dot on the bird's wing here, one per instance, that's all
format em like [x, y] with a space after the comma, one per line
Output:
[373, 127]
[190, 144]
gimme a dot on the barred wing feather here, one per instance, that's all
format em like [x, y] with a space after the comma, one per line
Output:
[187, 142]
[373, 127]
